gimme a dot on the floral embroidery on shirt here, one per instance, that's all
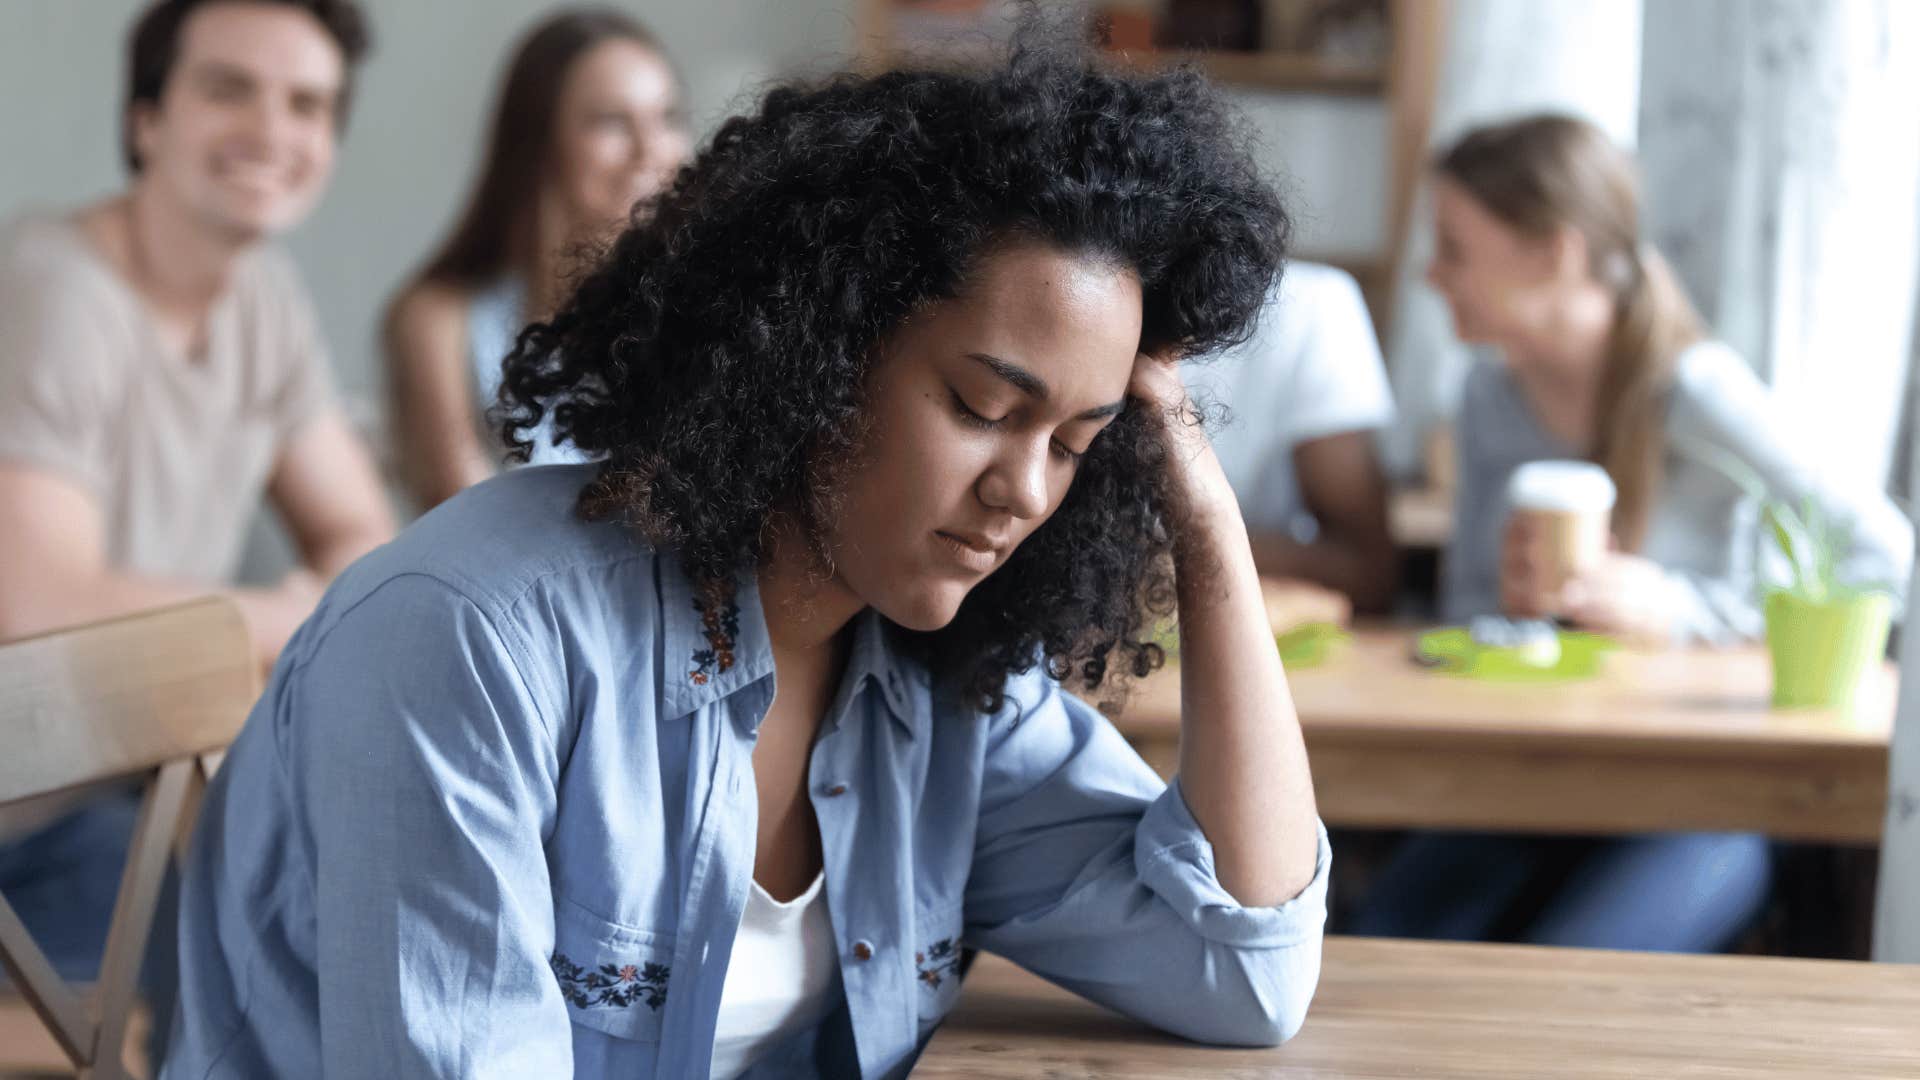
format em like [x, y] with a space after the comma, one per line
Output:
[938, 961]
[720, 621]
[615, 987]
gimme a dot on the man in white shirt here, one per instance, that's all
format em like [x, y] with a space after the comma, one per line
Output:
[1305, 396]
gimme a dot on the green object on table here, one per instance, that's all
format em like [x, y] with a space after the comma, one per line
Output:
[1310, 643]
[1167, 636]
[1453, 651]
[1302, 646]
[1823, 649]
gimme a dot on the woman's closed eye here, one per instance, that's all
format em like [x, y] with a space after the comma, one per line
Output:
[974, 419]
[971, 418]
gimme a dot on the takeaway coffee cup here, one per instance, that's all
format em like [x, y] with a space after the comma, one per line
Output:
[1569, 508]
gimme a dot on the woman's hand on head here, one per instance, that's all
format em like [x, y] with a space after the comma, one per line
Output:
[1195, 478]
[1156, 382]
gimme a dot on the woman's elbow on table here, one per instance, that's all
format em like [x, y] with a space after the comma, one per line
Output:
[1269, 1006]
[1242, 996]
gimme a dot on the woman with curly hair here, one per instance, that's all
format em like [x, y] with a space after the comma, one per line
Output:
[711, 758]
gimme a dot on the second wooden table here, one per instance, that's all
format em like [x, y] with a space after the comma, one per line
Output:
[1681, 740]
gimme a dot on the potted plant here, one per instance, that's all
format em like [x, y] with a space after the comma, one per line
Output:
[1824, 635]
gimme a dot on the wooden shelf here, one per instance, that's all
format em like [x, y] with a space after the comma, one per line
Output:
[1368, 270]
[1404, 81]
[1269, 70]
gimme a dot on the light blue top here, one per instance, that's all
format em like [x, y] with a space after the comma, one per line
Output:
[1704, 529]
[495, 817]
[495, 317]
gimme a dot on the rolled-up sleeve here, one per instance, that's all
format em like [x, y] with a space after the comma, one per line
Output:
[1090, 872]
[1175, 860]
[429, 778]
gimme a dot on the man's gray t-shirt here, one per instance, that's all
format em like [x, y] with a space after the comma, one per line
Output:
[176, 449]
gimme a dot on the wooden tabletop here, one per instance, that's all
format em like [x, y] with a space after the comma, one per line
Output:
[1393, 1009]
[1682, 739]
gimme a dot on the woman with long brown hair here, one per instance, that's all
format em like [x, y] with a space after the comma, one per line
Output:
[1602, 359]
[589, 125]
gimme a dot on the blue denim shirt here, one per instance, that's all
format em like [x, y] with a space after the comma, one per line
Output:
[495, 816]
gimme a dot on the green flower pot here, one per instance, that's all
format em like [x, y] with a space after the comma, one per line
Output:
[1823, 651]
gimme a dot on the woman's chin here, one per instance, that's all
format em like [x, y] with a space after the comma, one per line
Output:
[925, 609]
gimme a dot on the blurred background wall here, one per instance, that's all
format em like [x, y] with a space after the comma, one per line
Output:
[427, 89]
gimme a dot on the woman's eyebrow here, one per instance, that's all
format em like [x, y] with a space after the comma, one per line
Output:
[1035, 387]
[1023, 380]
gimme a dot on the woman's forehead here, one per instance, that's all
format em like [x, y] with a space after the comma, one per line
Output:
[1070, 318]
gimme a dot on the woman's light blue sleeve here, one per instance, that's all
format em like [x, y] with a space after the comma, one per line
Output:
[427, 777]
[1090, 872]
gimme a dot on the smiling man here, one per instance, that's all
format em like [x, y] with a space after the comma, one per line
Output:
[160, 369]
[160, 366]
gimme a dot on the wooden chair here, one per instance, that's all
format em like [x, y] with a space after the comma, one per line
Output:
[156, 696]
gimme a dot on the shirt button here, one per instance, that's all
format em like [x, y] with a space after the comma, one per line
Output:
[836, 789]
[862, 951]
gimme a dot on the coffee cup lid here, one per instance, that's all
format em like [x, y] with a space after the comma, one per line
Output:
[1575, 487]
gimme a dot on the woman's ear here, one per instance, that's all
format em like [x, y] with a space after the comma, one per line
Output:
[1568, 252]
[141, 117]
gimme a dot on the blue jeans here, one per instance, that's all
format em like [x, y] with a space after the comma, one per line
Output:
[1668, 892]
[63, 880]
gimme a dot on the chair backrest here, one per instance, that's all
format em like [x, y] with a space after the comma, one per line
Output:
[154, 695]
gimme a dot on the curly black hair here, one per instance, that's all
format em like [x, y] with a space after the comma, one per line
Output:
[718, 354]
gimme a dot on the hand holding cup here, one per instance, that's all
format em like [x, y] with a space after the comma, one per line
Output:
[1558, 530]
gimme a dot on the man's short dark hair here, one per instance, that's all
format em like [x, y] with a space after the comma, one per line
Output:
[154, 46]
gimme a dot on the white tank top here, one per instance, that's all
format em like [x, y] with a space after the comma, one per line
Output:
[780, 979]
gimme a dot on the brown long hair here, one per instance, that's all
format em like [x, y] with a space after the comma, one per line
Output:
[496, 230]
[1539, 174]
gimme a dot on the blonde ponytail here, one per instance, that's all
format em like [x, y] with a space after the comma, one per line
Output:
[1654, 323]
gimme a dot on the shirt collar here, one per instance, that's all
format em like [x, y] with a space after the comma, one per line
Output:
[875, 658]
[716, 644]
[715, 640]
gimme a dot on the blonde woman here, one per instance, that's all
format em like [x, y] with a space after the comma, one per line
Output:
[1540, 256]
[1602, 358]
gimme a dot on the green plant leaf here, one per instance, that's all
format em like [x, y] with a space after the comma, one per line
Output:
[1812, 541]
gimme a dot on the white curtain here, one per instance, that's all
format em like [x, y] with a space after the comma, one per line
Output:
[1896, 913]
[1503, 58]
[1780, 142]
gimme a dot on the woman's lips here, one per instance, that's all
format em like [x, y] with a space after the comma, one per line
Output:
[977, 553]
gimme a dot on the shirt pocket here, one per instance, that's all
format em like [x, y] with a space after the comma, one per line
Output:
[936, 961]
[615, 979]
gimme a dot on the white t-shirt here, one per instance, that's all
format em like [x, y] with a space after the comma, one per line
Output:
[780, 979]
[1312, 369]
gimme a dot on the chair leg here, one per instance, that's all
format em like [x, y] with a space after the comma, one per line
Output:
[147, 859]
[59, 1008]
